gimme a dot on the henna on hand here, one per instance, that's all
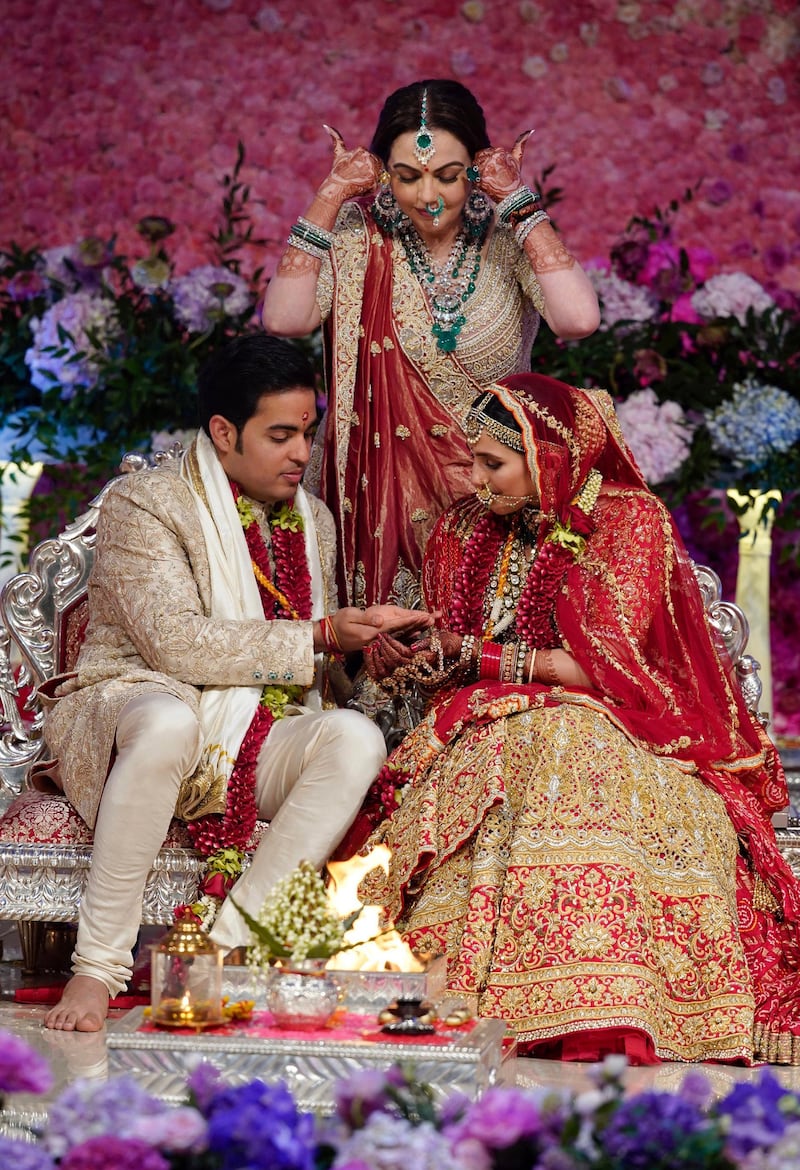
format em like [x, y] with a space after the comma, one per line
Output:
[354, 172]
[546, 251]
[501, 169]
[294, 263]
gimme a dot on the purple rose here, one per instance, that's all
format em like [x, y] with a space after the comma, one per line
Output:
[365, 1092]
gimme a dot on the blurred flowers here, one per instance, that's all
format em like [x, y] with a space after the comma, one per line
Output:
[389, 1120]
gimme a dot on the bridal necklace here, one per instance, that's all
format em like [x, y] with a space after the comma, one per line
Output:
[447, 286]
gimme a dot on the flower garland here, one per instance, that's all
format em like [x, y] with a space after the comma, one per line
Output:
[562, 543]
[285, 591]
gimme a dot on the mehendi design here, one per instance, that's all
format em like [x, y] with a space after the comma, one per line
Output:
[546, 251]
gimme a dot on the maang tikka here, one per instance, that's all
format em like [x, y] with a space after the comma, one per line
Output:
[424, 147]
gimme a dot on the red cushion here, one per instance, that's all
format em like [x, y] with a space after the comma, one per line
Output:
[43, 818]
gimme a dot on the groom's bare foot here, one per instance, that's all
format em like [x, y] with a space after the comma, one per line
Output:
[82, 1008]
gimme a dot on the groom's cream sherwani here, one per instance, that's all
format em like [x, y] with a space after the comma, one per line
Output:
[151, 628]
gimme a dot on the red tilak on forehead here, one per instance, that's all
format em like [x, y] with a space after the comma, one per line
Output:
[305, 416]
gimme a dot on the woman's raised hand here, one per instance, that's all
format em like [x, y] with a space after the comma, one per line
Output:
[354, 172]
[500, 169]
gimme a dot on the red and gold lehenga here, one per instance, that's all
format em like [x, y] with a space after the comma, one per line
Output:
[598, 864]
[394, 456]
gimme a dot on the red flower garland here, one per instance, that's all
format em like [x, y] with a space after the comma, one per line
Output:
[290, 591]
[535, 617]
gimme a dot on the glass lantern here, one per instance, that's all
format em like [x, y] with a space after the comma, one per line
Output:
[186, 979]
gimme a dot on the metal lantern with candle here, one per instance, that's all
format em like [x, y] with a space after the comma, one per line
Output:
[186, 978]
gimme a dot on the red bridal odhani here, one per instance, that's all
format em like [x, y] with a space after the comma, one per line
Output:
[285, 595]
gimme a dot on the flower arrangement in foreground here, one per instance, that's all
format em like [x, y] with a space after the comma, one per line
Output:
[387, 1120]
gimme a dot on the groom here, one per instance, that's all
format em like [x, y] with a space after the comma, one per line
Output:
[200, 690]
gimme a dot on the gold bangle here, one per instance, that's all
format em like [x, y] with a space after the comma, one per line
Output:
[532, 667]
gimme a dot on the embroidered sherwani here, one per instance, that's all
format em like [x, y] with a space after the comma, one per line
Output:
[150, 628]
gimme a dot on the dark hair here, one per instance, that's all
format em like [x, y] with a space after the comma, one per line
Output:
[495, 409]
[237, 375]
[450, 107]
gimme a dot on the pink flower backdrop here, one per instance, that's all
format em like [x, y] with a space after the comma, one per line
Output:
[122, 108]
[131, 108]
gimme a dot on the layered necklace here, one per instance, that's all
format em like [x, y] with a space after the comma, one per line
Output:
[448, 285]
[284, 584]
[489, 593]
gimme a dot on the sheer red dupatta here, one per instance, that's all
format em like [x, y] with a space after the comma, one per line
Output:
[394, 458]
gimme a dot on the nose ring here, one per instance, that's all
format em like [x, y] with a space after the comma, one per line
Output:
[435, 208]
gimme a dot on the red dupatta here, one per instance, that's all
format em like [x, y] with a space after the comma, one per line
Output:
[631, 614]
[394, 456]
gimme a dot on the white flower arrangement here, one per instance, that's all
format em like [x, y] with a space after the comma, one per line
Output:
[658, 433]
[731, 294]
[297, 921]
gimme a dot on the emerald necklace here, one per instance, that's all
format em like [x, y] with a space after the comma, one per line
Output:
[447, 286]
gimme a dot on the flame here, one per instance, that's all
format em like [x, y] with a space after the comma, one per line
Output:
[386, 953]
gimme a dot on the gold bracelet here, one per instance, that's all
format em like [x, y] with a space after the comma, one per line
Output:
[532, 667]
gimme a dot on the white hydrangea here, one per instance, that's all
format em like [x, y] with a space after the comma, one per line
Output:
[620, 300]
[658, 434]
[731, 294]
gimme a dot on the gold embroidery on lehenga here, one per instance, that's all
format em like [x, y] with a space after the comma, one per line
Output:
[571, 897]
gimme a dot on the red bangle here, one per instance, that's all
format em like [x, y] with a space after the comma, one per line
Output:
[491, 655]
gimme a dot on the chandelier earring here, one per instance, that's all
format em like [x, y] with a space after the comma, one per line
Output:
[386, 211]
[477, 214]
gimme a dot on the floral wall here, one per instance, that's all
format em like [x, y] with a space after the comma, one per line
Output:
[122, 108]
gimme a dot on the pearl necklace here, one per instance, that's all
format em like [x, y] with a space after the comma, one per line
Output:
[447, 286]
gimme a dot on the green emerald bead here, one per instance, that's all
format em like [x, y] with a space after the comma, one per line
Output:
[423, 141]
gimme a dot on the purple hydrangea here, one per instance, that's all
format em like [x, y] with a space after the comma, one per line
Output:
[259, 1126]
[755, 1114]
[24, 1156]
[89, 1108]
[109, 1152]
[209, 294]
[22, 1069]
[654, 1130]
[68, 340]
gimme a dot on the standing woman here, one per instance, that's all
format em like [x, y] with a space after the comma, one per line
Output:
[431, 263]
